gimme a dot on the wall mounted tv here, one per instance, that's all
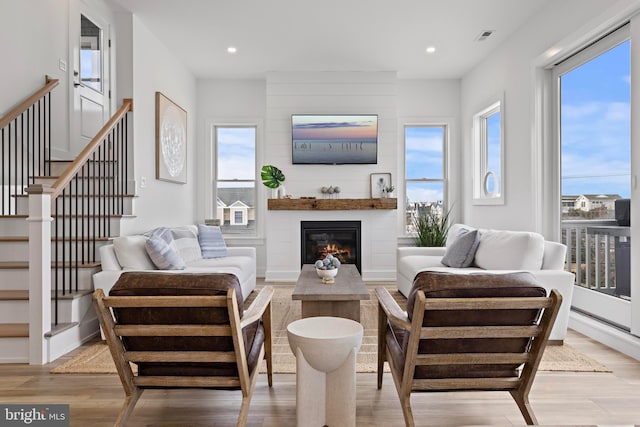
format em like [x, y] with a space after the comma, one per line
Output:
[334, 139]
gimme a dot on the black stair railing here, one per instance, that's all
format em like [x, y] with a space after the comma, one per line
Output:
[85, 199]
[25, 144]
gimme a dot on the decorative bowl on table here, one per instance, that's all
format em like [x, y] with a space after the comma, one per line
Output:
[327, 268]
[327, 274]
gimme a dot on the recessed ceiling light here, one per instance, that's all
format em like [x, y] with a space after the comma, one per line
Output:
[431, 49]
[232, 49]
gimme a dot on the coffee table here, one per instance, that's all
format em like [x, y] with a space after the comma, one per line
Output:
[339, 299]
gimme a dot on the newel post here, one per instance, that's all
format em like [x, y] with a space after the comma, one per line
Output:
[39, 272]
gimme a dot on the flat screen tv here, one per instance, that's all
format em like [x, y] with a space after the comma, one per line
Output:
[334, 139]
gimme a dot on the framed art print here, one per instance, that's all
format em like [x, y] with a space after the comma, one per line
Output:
[379, 181]
[171, 141]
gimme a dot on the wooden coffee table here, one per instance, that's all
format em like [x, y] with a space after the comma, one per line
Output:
[339, 299]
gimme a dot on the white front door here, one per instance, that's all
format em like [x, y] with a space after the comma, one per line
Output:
[90, 109]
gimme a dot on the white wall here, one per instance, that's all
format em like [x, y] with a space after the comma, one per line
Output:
[433, 102]
[34, 38]
[226, 102]
[223, 101]
[270, 105]
[160, 203]
[510, 69]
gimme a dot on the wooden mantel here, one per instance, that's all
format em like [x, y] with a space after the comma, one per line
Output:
[330, 204]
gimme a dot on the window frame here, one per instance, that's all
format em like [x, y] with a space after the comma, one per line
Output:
[481, 174]
[213, 190]
[445, 125]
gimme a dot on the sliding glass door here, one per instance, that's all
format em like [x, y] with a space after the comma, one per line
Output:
[593, 124]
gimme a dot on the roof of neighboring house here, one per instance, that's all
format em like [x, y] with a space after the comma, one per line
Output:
[602, 196]
[229, 196]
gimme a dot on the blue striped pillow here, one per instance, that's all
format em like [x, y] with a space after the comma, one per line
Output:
[211, 241]
[162, 251]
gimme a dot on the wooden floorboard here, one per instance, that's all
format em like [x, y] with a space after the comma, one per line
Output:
[558, 398]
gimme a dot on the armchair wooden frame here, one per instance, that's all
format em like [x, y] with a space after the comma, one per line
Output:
[134, 385]
[518, 387]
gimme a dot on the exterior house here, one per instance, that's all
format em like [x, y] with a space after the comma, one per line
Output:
[235, 208]
[590, 202]
[568, 203]
[40, 36]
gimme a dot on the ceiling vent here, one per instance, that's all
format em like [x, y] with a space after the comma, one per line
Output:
[484, 35]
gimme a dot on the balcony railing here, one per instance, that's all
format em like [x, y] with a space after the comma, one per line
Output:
[598, 253]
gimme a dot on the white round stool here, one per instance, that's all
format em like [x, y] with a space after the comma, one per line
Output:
[325, 350]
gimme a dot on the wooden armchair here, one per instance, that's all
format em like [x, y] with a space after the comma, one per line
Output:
[466, 332]
[185, 331]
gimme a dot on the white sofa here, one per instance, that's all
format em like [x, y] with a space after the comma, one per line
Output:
[128, 253]
[499, 252]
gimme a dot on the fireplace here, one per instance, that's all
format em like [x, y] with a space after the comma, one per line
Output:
[339, 238]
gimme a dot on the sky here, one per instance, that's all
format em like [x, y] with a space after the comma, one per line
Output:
[595, 125]
[308, 127]
[236, 146]
[423, 146]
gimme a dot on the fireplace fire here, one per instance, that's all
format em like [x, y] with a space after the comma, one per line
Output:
[338, 238]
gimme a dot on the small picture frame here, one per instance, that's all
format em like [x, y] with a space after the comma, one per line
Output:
[379, 181]
[171, 141]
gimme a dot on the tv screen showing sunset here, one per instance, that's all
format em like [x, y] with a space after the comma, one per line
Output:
[340, 139]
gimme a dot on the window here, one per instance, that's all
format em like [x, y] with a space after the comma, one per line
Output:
[425, 171]
[488, 159]
[90, 54]
[235, 183]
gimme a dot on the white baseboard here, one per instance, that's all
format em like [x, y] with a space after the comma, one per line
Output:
[608, 335]
[379, 276]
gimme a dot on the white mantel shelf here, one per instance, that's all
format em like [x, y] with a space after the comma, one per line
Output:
[331, 204]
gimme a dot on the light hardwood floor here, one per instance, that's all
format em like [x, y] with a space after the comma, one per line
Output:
[558, 398]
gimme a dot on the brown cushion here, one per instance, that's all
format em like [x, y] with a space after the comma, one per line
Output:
[450, 285]
[163, 284]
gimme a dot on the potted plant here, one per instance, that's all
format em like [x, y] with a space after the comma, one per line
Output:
[431, 228]
[387, 191]
[272, 177]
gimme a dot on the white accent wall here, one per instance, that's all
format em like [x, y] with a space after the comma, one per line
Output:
[331, 93]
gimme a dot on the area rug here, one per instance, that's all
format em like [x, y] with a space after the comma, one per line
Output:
[96, 359]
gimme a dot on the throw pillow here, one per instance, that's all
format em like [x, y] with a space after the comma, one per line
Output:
[456, 230]
[510, 250]
[462, 251]
[161, 250]
[187, 244]
[211, 241]
[131, 253]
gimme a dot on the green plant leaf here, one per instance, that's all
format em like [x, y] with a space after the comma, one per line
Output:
[271, 176]
[431, 228]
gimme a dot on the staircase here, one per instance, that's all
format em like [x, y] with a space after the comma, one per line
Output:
[87, 199]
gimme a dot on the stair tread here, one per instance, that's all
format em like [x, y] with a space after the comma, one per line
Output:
[60, 327]
[21, 295]
[14, 216]
[14, 295]
[14, 330]
[6, 265]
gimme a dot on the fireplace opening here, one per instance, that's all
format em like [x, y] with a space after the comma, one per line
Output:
[338, 238]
